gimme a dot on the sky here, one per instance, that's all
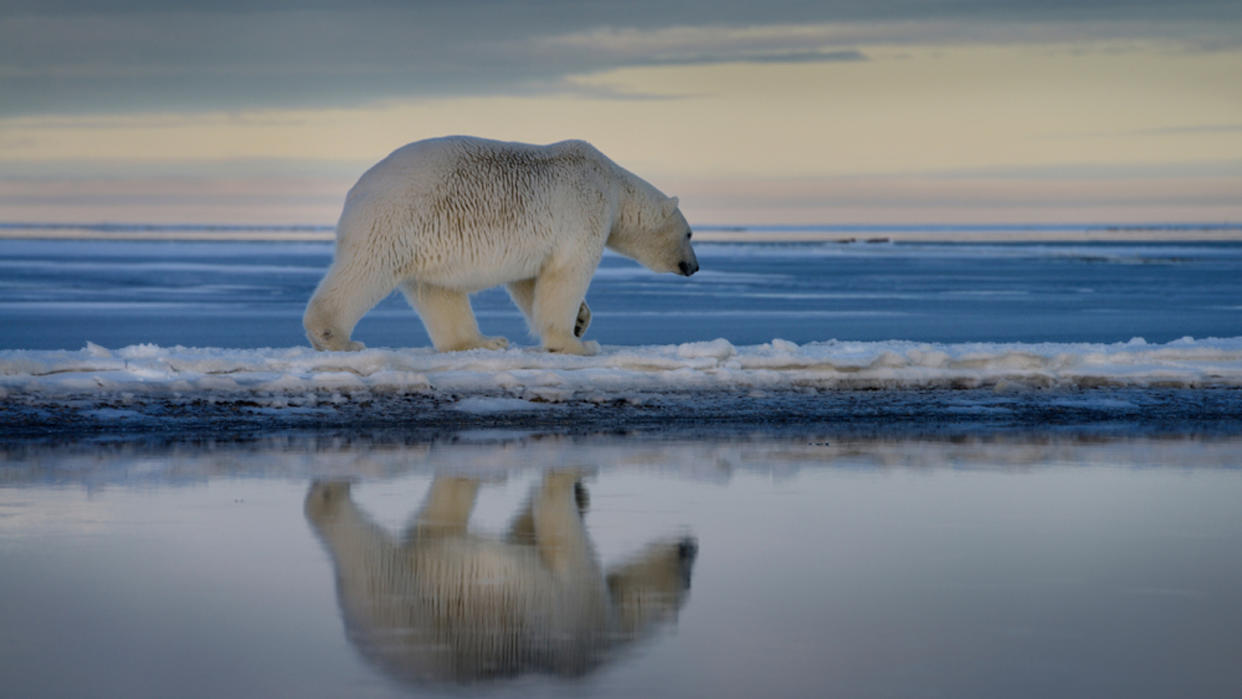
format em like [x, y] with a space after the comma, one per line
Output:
[784, 111]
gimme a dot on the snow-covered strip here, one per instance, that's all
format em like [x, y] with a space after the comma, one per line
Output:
[618, 372]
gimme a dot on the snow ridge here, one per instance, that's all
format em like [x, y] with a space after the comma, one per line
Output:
[274, 375]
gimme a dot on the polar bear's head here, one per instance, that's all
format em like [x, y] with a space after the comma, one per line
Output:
[652, 588]
[657, 236]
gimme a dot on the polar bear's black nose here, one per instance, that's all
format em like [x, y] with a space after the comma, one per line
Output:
[687, 548]
[687, 268]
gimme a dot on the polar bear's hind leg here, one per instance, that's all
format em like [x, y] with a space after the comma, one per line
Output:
[447, 315]
[522, 292]
[344, 295]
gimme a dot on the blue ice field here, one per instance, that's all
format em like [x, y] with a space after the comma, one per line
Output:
[60, 294]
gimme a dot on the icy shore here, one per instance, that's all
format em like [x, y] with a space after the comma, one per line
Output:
[622, 372]
[156, 387]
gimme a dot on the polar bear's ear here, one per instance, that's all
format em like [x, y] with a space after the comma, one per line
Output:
[670, 205]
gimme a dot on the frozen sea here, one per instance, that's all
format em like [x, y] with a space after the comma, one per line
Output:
[59, 294]
[206, 335]
[890, 468]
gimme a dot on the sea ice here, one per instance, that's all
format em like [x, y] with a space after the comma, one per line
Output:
[619, 372]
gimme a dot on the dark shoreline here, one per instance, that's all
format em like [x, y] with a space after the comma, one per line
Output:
[411, 417]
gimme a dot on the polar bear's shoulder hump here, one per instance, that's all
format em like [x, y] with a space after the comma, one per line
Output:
[457, 149]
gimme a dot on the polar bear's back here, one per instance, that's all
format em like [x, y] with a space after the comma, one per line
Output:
[445, 205]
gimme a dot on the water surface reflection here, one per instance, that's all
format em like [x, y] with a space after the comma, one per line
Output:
[443, 603]
[520, 565]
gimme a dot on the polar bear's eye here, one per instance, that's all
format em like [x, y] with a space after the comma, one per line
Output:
[688, 234]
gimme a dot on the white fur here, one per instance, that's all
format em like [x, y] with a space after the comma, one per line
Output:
[442, 602]
[446, 217]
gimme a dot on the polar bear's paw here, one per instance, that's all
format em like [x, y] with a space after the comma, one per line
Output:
[572, 345]
[329, 340]
[480, 342]
[583, 321]
[493, 343]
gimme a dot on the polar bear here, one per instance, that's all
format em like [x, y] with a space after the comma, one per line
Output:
[442, 603]
[446, 217]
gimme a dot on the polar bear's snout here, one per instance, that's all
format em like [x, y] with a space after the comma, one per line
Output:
[687, 551]
[689, 263]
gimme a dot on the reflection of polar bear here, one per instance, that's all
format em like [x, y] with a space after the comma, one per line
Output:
[446, 604]
[445, 217]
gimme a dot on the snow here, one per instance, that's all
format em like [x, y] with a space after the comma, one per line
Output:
[490, 381]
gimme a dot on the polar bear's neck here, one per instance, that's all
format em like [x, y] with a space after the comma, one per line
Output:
[639, 217]
[639, 202]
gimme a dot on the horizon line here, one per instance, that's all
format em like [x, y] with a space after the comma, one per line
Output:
[118, 226]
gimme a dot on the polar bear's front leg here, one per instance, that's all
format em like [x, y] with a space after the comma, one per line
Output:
[583, 320]
[559, 533]
[558, 311]
[523, 294]
[448, 318]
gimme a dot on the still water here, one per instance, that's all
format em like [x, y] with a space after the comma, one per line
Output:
[524, 565]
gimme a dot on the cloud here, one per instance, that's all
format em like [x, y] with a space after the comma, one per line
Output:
[769, 57]
[77, 56]
[701, 45]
